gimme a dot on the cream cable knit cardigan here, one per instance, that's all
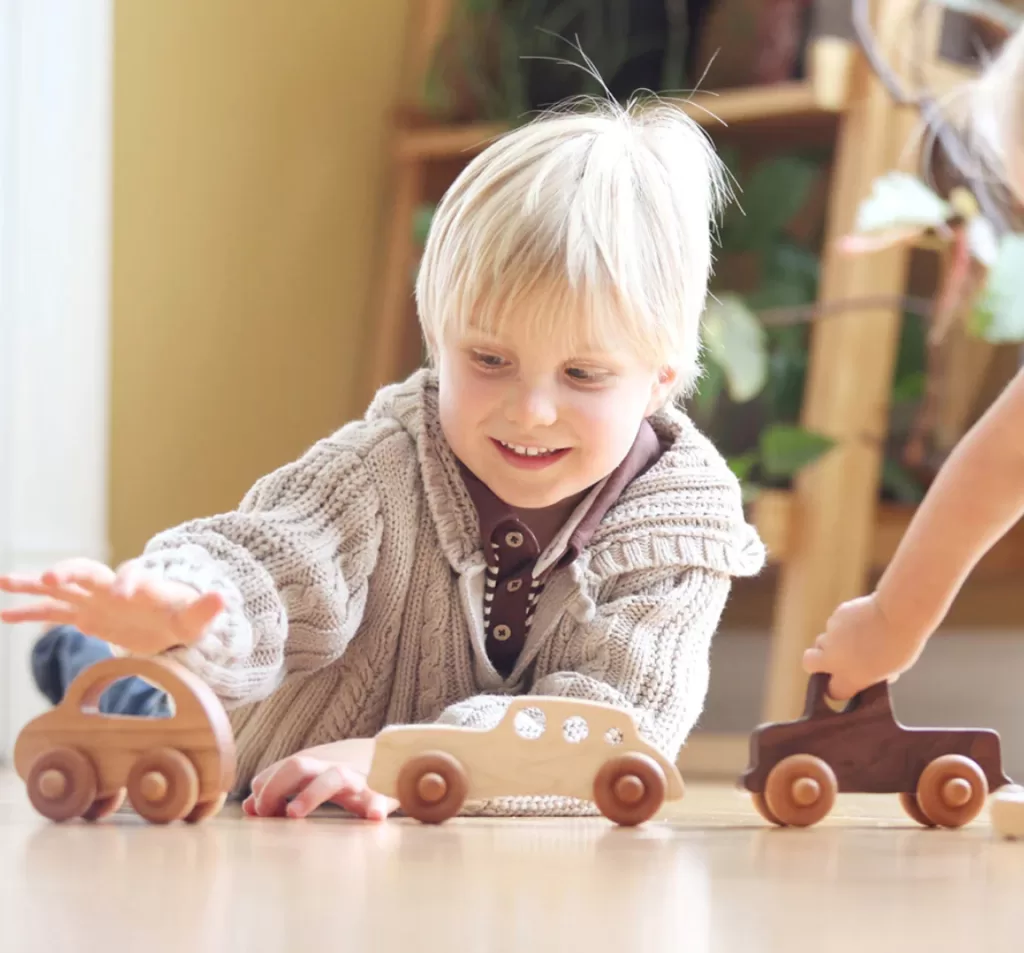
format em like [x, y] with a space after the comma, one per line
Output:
[354, 581]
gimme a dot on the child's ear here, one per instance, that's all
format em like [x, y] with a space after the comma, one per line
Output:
[661, 390]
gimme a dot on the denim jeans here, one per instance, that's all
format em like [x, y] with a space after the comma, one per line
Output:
[61, 654]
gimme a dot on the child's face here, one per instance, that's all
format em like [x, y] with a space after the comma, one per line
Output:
[586, 406]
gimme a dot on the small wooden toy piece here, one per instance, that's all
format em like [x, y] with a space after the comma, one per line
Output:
[942, 775]
[1006, 811]
[584, 749]
[79, 762]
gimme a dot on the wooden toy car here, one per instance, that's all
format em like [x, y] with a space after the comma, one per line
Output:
[79, 762]
[586, 750]
[942, 775]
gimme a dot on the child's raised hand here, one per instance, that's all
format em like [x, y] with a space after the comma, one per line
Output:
[860, 648]
[130, 608]
[297, 786]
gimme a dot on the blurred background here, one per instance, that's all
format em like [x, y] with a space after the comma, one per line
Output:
[211, 212]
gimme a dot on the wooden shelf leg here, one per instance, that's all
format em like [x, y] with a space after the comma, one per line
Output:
[847, 391]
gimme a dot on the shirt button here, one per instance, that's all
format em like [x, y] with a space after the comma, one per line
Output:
[514, 585]
[502, 633]
[515, 540]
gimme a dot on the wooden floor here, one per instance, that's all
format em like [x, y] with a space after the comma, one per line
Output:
[708, 876]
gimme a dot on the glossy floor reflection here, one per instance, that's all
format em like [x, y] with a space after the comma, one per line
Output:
[707, 876]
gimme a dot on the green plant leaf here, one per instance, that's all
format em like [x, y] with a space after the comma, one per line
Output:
[787, 371]
[909, 388]
[737, 343]
[793, 264]
[742, 464]
[900, 200]
[421, 223]
[785, 449]
[709, 389]
[999, 310]
[775, 191]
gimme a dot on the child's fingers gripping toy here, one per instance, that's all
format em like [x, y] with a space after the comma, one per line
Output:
[542, 746]
[942, 775]
[79, 762]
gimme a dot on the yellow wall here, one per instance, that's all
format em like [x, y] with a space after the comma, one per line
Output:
[250, 175]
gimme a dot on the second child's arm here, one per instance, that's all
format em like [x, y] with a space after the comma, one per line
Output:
[976, 498]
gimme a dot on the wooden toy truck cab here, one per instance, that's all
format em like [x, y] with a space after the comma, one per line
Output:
[942, 775]
[79, 762]
[586, 750]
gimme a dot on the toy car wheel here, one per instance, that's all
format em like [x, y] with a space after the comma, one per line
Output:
[163, 786]
[910, 805]
[629, 789]
[62, 784]
[105, 806]
[432, 787]
[952, 790]
[206, 809]
[801, 790]
[761, 805]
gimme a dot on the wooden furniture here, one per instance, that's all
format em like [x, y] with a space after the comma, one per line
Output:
[79, 762]
[941, 775]
[829, 534]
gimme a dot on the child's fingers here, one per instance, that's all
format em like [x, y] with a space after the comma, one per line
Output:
[126, 581]
[366, 803]
[55, 613]
[337, 783]
[379, 806]
[192, 621]
[88, 574]
[290, 777]
[814, 660]
[24, 585]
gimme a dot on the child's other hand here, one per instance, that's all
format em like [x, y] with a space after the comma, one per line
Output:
[129, 608]
[310, 781]
[860, 648]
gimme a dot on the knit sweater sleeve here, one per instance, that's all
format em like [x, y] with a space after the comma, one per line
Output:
[292, 564]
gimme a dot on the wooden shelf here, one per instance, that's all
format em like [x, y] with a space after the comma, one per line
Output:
[779, 526]
[735, 107]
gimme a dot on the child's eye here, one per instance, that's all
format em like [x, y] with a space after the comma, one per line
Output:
[489, 361]
[585, 375]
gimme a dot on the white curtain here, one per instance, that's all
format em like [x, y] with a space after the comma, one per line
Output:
[55, 172]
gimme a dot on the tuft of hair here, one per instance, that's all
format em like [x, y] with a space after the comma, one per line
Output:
[593, 222]
[993, 114]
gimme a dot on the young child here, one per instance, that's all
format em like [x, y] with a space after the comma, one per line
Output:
[530, 514]
[978, 494]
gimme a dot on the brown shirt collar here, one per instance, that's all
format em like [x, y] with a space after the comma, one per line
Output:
[493, 511]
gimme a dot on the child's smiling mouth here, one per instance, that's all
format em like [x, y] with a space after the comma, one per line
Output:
[531, 458]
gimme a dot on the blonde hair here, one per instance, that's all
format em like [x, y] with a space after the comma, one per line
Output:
[995, 114]
[596, 223]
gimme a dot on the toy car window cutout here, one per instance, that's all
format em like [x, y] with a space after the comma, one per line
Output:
[575, 729]
[101, 699]
[529, 723]
[614, 736]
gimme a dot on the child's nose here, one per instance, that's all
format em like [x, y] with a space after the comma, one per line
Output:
[532, 407]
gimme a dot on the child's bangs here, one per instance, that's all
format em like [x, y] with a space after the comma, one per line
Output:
[583, 318]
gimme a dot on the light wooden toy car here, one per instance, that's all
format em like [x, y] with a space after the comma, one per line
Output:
[79, 762]
[586, 750]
